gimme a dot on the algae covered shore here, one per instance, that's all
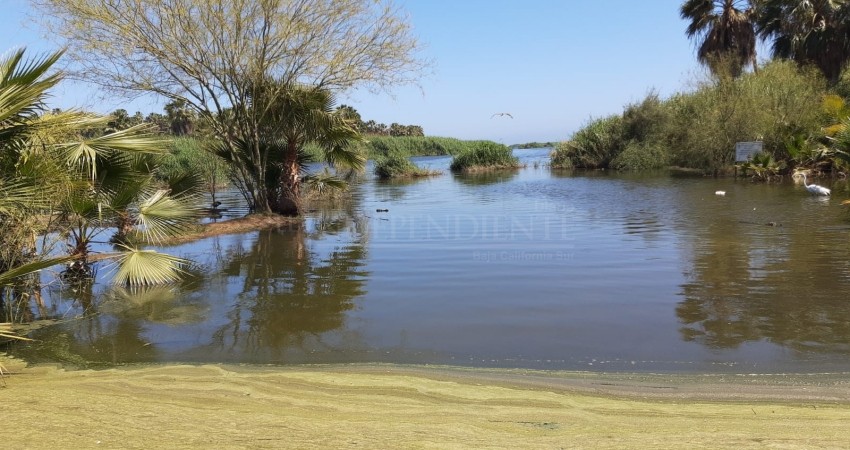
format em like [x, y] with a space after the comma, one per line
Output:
[388, 406]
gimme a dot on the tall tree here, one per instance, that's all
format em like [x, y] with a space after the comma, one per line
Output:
[724, 31]
[210, 53]
[300, 116]
[180, 117]
[808, 31]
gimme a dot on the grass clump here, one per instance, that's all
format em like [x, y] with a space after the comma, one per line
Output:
[592, 147]
[382, 146]
[399, 166]
[485, 156]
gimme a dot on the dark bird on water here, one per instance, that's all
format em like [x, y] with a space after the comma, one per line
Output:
[502, 115]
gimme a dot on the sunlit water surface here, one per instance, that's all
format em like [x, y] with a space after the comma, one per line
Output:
[530, 269]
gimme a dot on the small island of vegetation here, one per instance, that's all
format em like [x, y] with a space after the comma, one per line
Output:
[485, 156]
[397, 166]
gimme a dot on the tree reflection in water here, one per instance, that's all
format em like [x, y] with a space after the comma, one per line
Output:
[257, 296]
[291, 290]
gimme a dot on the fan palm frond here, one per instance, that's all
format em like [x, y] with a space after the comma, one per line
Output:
[161, 215]
[23, 85]
[35, 266]
[146, 267]
[85, 154]
[18, 195]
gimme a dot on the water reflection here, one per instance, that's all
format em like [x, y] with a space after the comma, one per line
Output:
[287, 292]
[486, 177]
[586, 271]
[258, 297]
[752, 279]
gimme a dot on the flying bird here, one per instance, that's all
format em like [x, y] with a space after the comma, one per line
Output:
[814, 188]
[502, 115]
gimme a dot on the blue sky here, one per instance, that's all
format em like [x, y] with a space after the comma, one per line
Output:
[552, 64]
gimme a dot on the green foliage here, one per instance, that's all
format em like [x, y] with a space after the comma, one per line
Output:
[399, 166]
[182, 51]
[647, 155]
[145, 267]
[378, 146]
[778, 101]
[762, 167]
[780, 105]
[56, 174]
[372, 128]
[593, 146]
[808, 32]
[841, 146]
[561, 156]
[483, 156]
[189, 156]
[295, 116]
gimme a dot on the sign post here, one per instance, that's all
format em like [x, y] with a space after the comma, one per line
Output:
[744, 151]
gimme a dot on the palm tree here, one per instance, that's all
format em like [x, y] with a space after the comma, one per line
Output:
[808, 31]
[114, 185]
[295, 116]
[181, 117]
[725, 32]
[49, 167]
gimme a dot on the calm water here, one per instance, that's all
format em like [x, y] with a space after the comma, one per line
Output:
[533, 269]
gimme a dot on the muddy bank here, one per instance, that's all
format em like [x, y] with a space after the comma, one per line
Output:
[253, 222]
[378, 406]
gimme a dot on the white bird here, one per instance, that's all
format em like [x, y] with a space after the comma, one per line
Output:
[719, 192]
[814, 188]
[502, 115]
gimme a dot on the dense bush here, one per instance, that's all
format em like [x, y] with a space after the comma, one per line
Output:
[378, 146]
[485, 155]
[560, 156]
[189, 157]
[592, 147]
[699, 129]
[399, 166]
[771, 105]
[642, 156]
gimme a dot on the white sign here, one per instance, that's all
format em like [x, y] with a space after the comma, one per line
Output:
[745, 150]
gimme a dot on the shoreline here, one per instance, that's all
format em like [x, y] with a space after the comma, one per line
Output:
[394, 406]
[246, 224]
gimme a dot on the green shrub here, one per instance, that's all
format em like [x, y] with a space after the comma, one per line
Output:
[398, 166]
[699, 129]
[485, 155]
[188, 156]
[641, 156]
[591, 147]
[378, 146]
[776, 102]
[761, 167]
[560, 156]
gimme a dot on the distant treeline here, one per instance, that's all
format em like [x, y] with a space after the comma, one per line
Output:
[534, 145]
[370, 127]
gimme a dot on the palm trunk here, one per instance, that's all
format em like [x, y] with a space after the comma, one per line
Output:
[124, 224]
[289, 189]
